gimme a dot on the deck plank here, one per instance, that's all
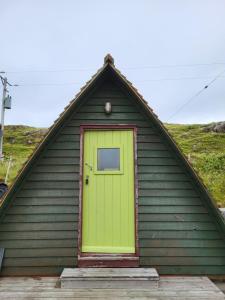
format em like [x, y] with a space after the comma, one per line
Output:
[176, 288]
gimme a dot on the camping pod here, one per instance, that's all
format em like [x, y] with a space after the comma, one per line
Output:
[108, 187]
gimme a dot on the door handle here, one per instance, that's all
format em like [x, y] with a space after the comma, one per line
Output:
[89, 166]
[87, 180]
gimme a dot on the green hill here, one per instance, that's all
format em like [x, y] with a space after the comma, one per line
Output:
[204, 149]
[19, 143]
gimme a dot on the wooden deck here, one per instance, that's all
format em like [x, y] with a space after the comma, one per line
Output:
[182, 288]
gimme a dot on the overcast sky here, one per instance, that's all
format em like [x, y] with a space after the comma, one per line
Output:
[169, 49]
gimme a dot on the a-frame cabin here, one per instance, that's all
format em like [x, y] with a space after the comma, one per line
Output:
[109, 187]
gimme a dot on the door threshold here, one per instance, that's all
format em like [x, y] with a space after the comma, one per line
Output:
[108, 261]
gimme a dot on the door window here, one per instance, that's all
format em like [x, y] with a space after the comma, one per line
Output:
[108, 159]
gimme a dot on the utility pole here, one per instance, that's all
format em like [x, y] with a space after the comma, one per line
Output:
[6, 104]
[4, 83]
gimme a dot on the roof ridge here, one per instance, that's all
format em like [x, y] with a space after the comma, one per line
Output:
[108, 59]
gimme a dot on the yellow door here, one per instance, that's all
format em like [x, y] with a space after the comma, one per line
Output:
[108, 211]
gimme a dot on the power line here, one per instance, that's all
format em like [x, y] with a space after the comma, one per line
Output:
[176, 78]
[139, 81]
[50, 71]
[196, 95]
[175, 66]
[125, 68]
[48, 84]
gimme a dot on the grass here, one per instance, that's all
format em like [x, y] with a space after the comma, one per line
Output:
[19, 143]
[205, 151]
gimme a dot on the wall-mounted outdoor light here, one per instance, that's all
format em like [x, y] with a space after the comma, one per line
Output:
[108, 108]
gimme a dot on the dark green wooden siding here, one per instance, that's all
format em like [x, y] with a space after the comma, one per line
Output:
[177, 232]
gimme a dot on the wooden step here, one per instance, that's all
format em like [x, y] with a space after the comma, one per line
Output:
[111, 278]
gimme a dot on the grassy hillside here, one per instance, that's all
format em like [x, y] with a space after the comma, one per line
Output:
[19, 143]
[205, 150]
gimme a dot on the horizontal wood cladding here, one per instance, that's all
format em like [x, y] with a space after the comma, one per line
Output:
[175, 252]
[184, 261]
[39, 235]
[177, 232]
[174, 217]
[175, 226]
[40, 217]
[29, 245]
[184, 244]
[67, 185]
[49, 193]
[31, 209]
[66, 201]
[37, 226]
[171, 209]
[43, 252]
[169, 201]
[34, 271]
[39, 261]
